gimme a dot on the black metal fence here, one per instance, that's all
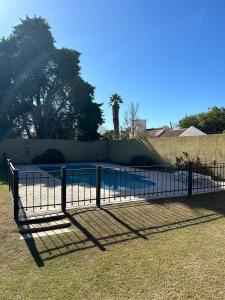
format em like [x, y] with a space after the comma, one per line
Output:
[61, 189]
[13, 180]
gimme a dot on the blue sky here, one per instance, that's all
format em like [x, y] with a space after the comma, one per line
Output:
[168, 55]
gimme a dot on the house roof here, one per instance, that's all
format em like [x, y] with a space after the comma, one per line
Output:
[165, 131]
[173, 132]
[156, 132]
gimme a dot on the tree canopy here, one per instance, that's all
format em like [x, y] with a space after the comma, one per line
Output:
[41, 88]
[212, 121]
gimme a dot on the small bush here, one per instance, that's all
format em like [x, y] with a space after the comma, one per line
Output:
[51, 156]
[198, 166]
[141, 160]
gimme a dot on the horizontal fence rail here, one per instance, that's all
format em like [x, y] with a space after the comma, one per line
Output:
[61, 188]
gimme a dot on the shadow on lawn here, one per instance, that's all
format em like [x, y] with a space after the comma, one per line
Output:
[101, 227]
[30, 242]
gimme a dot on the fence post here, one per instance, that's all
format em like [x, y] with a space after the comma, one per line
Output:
[98, 186]
[190, 170]
[63, 189]
[16, 194]
[9, 174]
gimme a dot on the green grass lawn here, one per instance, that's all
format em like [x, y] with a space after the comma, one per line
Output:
[165, 250]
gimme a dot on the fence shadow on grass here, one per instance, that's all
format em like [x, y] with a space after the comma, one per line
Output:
[30, 242]
[112, 224]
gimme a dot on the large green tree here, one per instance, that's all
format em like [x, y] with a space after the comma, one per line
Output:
[114, 101]
[212, 121]
[41, 88]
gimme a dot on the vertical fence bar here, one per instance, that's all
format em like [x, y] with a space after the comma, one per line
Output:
[63, 189]
[190, 171]
[98, 186]
[16, 194]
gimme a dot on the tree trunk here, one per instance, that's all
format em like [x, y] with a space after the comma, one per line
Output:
[116, 120]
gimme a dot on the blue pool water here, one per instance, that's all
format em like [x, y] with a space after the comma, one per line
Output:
[111, 178]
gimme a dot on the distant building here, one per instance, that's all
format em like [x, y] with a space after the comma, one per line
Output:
[139, 125]
[166, 131]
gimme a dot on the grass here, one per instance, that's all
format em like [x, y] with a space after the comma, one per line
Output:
[165, 250]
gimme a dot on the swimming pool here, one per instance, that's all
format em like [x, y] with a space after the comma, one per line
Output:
[111, 178]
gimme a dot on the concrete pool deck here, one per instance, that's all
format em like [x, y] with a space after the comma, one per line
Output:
[40, 191]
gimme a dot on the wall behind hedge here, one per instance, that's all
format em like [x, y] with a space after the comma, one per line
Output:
[161, 150]
[165, 150]
[23, 151]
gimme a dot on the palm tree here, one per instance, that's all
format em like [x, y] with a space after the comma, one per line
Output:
[114, 102]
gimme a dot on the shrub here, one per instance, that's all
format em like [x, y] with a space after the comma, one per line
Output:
[141, 160]
[51, 156]
[198, 166]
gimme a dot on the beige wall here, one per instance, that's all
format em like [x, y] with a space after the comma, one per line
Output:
[161, 150]
[208, 147]
[165, 150]
[123, 151]
[23, 151]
